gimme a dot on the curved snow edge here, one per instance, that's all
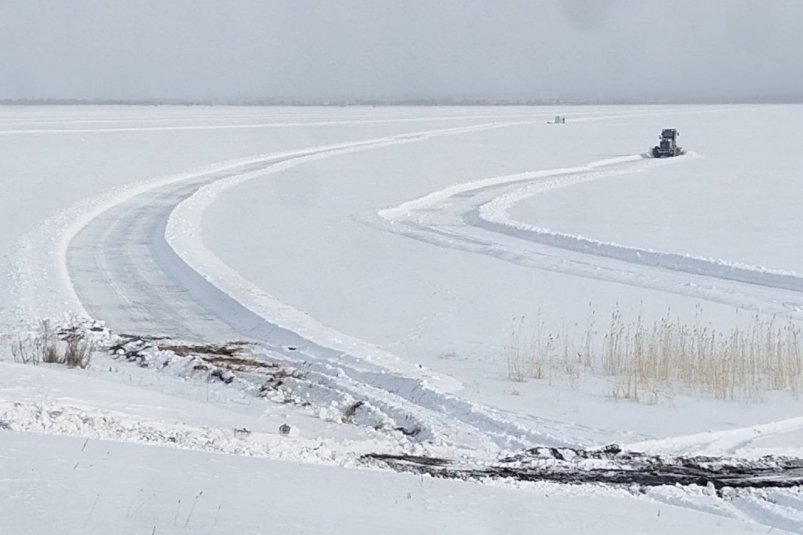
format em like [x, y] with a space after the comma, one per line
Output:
[41, 253]
[437, 197]
[495, 215]
[184, 235]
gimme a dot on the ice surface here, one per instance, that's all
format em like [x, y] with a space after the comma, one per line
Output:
[371, 250]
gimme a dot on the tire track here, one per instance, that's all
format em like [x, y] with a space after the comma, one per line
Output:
[126, 273]
[473, 217]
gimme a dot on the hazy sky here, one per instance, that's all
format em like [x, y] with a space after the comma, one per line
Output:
[382, 49]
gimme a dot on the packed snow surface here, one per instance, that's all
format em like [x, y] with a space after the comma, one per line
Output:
[375, 261]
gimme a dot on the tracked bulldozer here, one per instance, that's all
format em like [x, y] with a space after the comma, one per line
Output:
[668, 144]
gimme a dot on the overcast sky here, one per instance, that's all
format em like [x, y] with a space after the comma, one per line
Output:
[228, 50]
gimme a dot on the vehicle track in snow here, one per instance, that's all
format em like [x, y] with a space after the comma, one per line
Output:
[124, 272]
[473, 217]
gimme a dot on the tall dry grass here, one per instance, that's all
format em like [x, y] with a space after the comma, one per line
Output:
[643, 360]
[67, 345]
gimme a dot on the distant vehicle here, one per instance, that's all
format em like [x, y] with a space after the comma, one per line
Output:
[668, 144]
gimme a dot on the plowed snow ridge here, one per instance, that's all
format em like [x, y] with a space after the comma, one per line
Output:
[474, 216]
[495, 215]
[138, 262]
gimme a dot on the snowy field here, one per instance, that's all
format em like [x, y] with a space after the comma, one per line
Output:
[386, 260]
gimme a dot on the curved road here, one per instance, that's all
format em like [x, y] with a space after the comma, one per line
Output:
[125, 273]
